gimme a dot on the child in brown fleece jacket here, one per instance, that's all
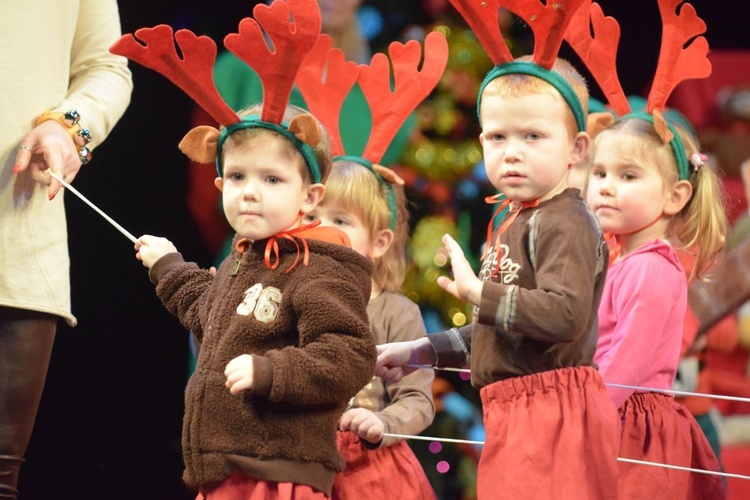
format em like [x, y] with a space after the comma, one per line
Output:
[283, 329]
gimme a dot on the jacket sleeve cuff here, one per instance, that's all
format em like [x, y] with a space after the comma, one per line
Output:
[496, 306]
[262, 375]
[451, 349]
[162, 266]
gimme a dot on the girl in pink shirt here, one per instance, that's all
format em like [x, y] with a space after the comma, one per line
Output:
[647, 192]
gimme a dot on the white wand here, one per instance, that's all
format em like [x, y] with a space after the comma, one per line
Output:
[99, 211]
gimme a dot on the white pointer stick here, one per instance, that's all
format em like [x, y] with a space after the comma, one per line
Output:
[107, 217]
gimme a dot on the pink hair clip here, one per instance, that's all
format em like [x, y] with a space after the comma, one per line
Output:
[698, 160]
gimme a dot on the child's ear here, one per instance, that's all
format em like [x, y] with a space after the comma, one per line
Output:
[219, 183]
[315, 193]
[381, 242]
[679, 195]
[580, 147]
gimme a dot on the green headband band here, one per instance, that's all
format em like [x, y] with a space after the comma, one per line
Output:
[554, 79]
[678, 147]
[254, 121]
[390, 193]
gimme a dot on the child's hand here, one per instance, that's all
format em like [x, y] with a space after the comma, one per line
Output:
[239, 374]
[394, 358]
[364, 423]
[465, 285]
[149, 249]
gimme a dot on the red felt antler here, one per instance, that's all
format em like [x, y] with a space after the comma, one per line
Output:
[412, 85]
[193, 73]
[599, 51]
[548, 21]
[325, 79]
[483, 19]
[679, 58]
[293, 27]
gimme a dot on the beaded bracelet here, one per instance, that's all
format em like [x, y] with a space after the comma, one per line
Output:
[81, 136]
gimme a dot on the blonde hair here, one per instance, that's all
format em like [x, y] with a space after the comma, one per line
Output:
[519, 85]
[250, 136]
[356, 189]
[701, 226]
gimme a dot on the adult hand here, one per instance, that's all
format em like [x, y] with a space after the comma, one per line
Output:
[48, 146]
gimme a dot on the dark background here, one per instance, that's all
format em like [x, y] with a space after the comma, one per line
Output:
[110, 419]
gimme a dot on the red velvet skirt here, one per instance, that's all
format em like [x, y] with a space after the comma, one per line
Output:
[657, 429]
[386, 472]
[550, 435]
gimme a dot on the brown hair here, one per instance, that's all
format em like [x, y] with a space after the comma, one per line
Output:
[250, 135]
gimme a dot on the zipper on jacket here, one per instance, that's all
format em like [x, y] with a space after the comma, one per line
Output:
[236, 266]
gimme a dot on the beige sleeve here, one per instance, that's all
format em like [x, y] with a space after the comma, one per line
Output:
[100, 82]
[411, 408]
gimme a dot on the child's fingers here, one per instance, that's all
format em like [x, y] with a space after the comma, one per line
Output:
[241, 385]
[237, 363]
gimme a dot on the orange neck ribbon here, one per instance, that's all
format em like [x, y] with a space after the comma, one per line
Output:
[514, 210]
[272, 258]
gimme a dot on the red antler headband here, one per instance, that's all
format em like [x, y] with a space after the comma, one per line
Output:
[548, 21]
[292, 26]
[390, 108]
[681, 58]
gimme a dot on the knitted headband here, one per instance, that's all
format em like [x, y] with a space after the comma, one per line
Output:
[325, 95]
[292, 26]
[548, 22]
[682, 57]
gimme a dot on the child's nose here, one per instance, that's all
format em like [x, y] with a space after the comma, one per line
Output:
[606, 186]
[250, 190]
[512, 150]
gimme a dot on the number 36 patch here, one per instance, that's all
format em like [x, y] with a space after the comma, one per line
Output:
[262, 303]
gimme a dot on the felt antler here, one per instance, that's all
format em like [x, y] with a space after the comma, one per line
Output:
[548, 22]
[679, 58]
[599, 51]
[325, 79]
[482, 18]
[412, 86]
[292, 40]
[193, 73]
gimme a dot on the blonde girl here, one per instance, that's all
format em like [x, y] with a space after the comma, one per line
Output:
[653, 197]
[368, 204]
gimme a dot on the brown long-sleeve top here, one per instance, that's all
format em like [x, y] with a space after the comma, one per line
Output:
[405, 407]
[539, 312]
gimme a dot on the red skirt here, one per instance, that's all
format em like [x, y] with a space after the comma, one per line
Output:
[657, 429]
[550, 435]
[241, 486]
[385, 472]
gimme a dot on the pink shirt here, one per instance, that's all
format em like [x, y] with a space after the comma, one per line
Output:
[641, 317]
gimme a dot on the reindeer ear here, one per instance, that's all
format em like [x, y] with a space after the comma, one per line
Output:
[388, 174]
[597, 122]
[307, 129]
[200, 144]
[660, 124]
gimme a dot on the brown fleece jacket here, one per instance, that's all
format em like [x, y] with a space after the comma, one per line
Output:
[312, 350]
